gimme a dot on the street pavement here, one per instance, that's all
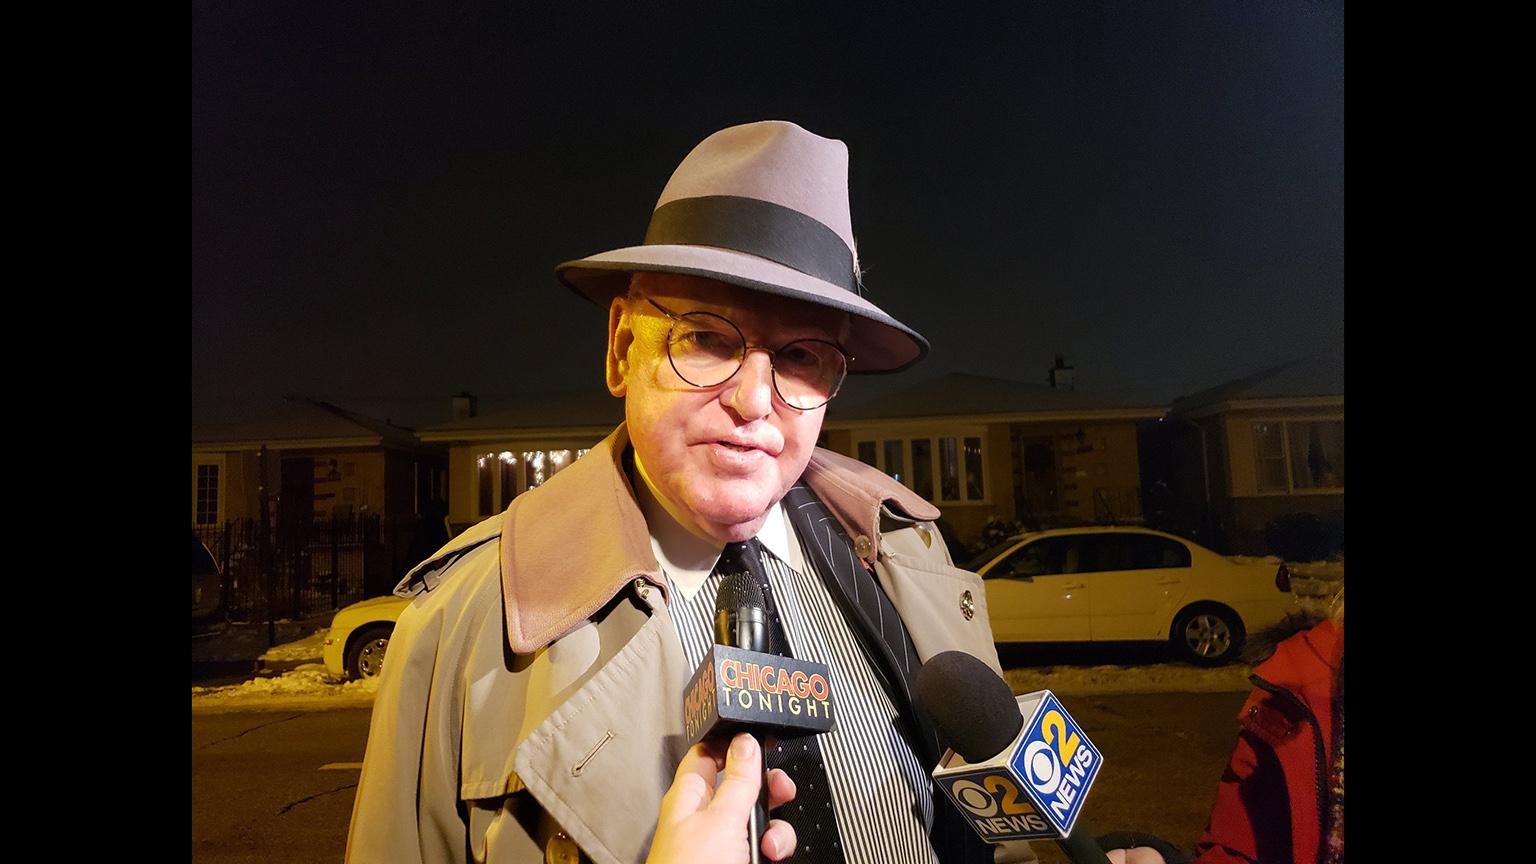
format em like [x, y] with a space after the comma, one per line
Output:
[274, 786]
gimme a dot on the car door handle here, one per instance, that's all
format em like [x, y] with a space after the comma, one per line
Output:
[1074, 587]
[1170, 581]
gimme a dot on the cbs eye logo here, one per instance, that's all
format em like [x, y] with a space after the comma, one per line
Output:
[1043, 767]
[979, 799]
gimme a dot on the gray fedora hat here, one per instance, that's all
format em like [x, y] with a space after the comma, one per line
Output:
[764, 206]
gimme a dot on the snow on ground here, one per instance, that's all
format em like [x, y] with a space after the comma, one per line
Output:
[308, 686]
[308, 648]
[1144, 678]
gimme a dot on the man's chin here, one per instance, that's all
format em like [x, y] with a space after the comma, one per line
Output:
[736, 533]
[735, 524]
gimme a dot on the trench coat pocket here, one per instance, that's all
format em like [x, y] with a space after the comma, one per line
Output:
[944, 607]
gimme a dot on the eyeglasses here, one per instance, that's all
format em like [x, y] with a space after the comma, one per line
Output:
[706, 349]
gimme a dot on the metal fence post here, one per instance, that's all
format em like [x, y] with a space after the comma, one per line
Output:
[224, 576]
[335, 560]
[264, 551]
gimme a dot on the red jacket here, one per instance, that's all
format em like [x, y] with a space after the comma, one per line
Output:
[1272, 801]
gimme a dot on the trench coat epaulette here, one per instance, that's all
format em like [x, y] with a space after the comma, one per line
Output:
[425, 576]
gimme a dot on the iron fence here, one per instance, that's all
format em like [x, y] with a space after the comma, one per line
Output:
[298, 569]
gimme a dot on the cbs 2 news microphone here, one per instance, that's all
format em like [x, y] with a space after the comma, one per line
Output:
[1018, 768]
[1035, 787]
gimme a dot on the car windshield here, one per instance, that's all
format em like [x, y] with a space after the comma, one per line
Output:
[976, 562]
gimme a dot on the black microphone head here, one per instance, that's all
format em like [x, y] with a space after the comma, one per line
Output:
[973, 707]
[738, 589]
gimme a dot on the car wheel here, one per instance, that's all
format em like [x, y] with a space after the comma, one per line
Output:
[1207, 635]
[365, 659]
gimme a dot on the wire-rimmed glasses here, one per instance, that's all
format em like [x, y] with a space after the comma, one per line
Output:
[706, 349]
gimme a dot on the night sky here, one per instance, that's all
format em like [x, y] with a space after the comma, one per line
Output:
[380, 195]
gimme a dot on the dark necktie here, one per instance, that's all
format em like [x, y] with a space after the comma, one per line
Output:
[811, 812]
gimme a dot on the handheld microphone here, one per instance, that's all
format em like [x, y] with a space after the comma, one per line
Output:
[1019, 768]
[741, 613]
[741, 621]
[740, 686]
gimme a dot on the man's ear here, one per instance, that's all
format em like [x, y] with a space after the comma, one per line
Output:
[620, 337]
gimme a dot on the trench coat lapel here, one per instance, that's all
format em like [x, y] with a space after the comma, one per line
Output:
[594, 763]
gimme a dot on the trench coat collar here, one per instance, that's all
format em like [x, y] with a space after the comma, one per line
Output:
[570, 545]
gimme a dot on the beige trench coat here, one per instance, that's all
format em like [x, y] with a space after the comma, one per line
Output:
[533, 695]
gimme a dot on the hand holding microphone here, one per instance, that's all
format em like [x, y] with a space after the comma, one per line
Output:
[700, 823]
[741, 687]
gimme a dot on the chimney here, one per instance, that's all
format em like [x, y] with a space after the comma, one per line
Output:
[1061, 375]
[465, 406]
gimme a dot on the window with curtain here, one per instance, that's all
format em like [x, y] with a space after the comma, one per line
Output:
[1299, 456]
[944, 469]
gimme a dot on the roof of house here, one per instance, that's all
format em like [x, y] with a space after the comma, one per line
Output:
[298, 420]
[1318, 375]
[961, 394]
[587, 409]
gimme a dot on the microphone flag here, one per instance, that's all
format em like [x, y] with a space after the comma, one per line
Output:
[1034, 789]
[734, 688]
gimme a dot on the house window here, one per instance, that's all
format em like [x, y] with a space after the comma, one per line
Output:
[1269, 438]
[867, 453]
[974, 486]
[506, 466]
[949, 469]
[503, 475]
[893, 460]
[483, 465]
[207, 494]
[922, 467]
[958, 461]
[1299, 456]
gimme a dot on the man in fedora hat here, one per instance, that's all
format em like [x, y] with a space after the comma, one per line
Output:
[531, 708]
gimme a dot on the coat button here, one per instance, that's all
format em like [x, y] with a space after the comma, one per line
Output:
[861, 545]
[561, 849]
[967, 605]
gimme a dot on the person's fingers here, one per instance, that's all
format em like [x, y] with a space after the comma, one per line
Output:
[691, 785]
[781, 788]
[743, 776]
[1135, 855]
[779, 840]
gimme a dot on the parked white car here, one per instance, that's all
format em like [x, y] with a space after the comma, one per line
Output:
[1123, 584]
[354, 647]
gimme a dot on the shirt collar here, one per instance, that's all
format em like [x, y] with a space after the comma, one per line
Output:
[686, 558]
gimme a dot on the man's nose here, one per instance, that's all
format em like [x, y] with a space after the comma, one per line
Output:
[752, 388]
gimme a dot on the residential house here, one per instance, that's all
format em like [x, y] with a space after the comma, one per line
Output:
[494, 458]
[320, 460]
[351, 502]
[983, 448]
[978, 447]
[1260, 447]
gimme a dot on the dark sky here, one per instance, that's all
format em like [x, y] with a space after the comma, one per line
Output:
[380, 192]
